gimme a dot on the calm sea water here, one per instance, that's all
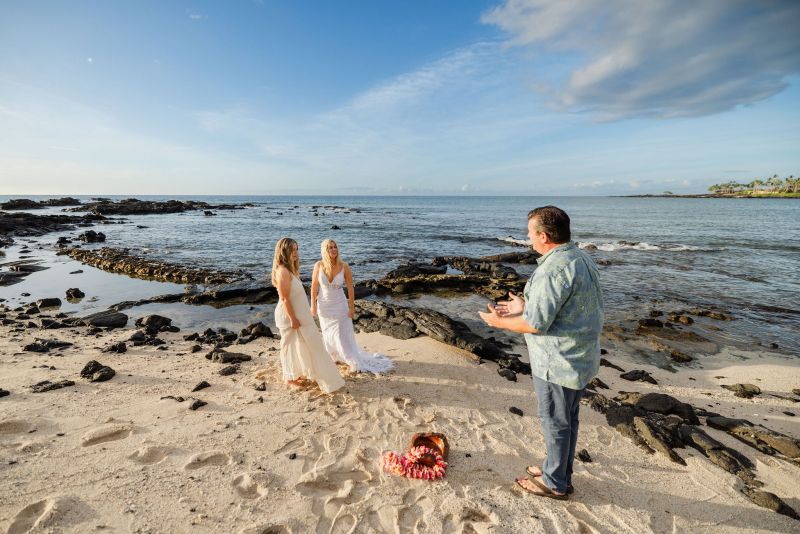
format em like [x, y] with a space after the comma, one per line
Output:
[740, 254]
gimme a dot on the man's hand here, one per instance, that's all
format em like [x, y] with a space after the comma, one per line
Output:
[515, 305]
[491, 317]
[513, 322]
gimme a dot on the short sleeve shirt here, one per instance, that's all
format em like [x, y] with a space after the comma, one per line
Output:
[564, 302]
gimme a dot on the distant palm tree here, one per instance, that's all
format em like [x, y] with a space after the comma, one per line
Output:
[774, 183]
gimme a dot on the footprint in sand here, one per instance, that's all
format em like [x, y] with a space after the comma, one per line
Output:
[205, 459]
[149, 455]
[104, 433]
[251, 485]
[270, 529]
[14, 426]
[50, 514]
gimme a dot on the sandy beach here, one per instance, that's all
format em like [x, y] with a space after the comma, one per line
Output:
[116, 456]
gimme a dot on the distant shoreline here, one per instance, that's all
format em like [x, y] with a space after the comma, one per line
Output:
[786, 195]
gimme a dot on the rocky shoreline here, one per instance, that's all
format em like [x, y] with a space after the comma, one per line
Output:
[656, 422]
[122, 261]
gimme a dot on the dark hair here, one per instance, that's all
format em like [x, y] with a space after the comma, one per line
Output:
[552, 221]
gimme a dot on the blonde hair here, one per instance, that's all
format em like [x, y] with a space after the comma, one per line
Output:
[327, 262]
[283, 256]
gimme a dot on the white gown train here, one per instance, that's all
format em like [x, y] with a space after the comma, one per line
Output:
[337, 329]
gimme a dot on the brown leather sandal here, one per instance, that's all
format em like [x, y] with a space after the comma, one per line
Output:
[536, 472]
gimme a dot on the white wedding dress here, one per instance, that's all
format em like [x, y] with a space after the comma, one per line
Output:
[303, 353]
[337, 329]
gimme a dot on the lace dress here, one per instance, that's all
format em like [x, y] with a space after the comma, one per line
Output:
[337, 329]
[303, 353]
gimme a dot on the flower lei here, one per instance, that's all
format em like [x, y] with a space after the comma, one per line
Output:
[409, 466]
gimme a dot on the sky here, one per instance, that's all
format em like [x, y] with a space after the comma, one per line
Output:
[397, 97]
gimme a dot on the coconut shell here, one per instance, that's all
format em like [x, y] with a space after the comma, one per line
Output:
[433, 440]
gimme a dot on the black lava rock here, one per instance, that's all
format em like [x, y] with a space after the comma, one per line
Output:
[202, 385]
[46, 385]
[638, 375]
[516, 411]
[229, 370]
[48, 303]
[508, 374]
[197, 403]
[583, 456]
[74, 293]
[119, 347]
[97, 372]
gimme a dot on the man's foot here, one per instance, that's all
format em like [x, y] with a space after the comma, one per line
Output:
[295, 383]
[536, 473]
[539, 489]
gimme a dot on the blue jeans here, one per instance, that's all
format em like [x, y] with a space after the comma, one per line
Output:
[558, 413]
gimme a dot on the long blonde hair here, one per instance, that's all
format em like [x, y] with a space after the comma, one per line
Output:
[283, 256]
[327, 262]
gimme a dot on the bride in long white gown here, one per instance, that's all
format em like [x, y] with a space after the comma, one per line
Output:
[336, 313]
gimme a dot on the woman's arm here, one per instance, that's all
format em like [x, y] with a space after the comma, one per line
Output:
[284, 289]
[351, 297]
[314, 289]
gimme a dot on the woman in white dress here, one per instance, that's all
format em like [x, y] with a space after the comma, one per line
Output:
[303, 353]
[336, 312]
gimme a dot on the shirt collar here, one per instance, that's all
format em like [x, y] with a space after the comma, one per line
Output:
[560, 248]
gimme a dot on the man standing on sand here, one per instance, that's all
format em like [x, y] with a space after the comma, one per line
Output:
[561, 316]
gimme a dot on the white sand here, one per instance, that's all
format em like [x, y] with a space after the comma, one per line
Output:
[130, 462]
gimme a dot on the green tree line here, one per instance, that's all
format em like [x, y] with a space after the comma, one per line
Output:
[772, 185]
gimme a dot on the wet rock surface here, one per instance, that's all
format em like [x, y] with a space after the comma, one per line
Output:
[27, 204]
[372, 316]
[133, 206]
[30, 224]
[156, 323]
[90, 236]
[122, 261]
[103, 319]
[74, 293]
[48, 303]
[489, 276]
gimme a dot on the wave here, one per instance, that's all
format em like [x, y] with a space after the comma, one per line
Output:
[515, 242]
[622, 245]
[636, 245]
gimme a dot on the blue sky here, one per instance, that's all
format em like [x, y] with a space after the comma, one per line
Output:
[533, 97]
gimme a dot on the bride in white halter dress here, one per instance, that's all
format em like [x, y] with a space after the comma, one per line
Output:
[335, 313]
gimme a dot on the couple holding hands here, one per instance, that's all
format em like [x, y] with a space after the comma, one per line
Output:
[304, 353]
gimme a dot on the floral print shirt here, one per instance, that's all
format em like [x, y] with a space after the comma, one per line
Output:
[563, 300]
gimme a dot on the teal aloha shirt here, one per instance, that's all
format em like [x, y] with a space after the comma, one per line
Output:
[564, 302]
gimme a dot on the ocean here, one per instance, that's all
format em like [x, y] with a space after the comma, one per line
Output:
[742, 255]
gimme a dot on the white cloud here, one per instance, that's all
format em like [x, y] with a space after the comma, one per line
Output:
[197, 16]
[89, 60]
[663, 58]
